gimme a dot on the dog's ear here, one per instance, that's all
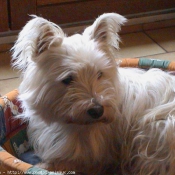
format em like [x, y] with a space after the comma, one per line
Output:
[105, 31]
[37, 36]
[51, 35]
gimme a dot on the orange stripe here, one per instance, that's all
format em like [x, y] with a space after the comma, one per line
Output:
[11, 96]
[2, 102]
[128, 62]
[171, 66]
[11, 163]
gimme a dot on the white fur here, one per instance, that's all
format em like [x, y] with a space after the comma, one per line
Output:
[134, 135]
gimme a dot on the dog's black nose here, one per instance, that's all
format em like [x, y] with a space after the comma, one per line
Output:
[96, 111]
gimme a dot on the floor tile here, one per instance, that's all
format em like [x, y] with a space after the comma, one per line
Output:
[6, 71]
[166, 56]
[9, 85]
[164, 37]
[138, 45]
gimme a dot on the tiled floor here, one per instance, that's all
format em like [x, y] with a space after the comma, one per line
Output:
[159, 44]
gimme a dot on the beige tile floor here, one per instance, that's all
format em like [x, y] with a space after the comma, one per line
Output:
[159, 44]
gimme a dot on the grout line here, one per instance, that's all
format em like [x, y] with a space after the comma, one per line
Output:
[9, 78]
[159, 28]
[143, 30]
[154, 41]
[155, 54]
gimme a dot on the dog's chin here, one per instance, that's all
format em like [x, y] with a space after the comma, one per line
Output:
[103, 120]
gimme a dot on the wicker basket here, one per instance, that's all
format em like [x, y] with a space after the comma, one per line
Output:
[13, 137]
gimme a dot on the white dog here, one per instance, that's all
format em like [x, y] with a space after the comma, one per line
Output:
[85, 113]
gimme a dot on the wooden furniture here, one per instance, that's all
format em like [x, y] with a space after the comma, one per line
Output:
[15, 13]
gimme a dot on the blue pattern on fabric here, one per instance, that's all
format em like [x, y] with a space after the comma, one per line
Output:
[2, 126]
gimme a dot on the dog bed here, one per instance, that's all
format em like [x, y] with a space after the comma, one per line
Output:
[14, 142]
[14, 147]
[146, 63]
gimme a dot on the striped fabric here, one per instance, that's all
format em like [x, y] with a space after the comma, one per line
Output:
[13, 139]
[146, 63]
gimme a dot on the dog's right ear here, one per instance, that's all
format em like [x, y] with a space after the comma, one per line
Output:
[37, 36]
[105, 31]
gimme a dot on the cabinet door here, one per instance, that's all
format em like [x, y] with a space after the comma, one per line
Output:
[20, 11]
[48, 2]
[76, 12]
[4, 26]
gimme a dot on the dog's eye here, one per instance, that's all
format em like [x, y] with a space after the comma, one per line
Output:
[68, 80]
[99, 74]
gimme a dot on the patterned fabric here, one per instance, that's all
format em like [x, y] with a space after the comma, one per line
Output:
[17, 142]
[2, 126]
[12, 105]
[146, 63]
[13, 139]
[153, 63]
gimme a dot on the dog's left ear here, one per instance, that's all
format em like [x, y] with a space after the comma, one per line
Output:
[105, 31]
[37, 36]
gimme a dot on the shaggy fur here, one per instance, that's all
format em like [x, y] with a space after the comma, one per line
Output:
[85, 113]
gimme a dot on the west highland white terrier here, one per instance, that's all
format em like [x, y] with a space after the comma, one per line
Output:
[85, 113]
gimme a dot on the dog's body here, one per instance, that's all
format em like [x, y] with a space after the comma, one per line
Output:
[85, 113]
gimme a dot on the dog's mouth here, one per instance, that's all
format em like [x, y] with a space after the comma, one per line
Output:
[103, 120]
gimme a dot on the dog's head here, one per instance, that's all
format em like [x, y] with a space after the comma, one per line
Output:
[70, 79]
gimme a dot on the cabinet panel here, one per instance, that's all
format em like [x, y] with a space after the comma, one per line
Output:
[78, 11]
[75, 11]
[48, 2]
[20, 11]
[4, 22]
